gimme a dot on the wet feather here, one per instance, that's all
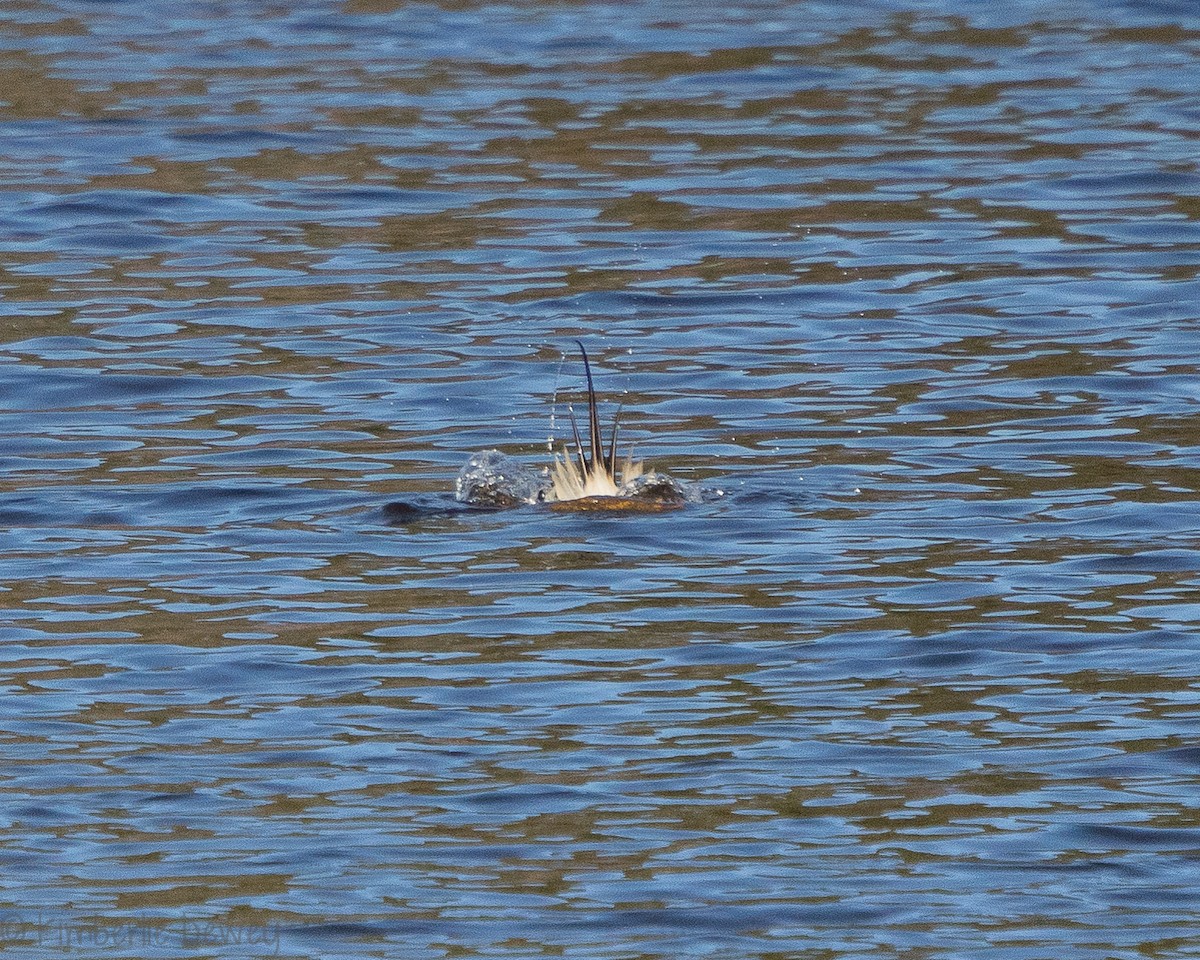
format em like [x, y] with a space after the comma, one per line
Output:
[594, 475]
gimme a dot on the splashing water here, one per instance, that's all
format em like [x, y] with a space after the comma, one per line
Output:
[494, 479]
[588, 475]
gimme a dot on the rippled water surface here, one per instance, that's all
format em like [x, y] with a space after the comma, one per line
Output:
[915, 286]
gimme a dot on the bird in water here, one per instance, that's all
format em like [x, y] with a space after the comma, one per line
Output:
[583, 480]
[591, 472]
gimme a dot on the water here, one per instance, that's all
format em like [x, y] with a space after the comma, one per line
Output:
[915, 285]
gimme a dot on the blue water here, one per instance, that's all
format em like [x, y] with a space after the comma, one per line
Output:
[914, 286]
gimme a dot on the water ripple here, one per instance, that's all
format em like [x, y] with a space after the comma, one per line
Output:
[913, 288]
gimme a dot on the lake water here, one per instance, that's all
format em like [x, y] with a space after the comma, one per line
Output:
[915, 286]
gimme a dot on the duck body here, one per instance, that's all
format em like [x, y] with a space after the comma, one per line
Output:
[586, 479]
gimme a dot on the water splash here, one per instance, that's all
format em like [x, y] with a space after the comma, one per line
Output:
[494, 479]
[587, 474]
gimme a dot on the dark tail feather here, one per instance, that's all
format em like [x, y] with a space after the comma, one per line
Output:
[597, 443]
[579, 451]
[612, 447]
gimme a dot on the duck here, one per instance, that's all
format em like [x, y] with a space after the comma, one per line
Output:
[591, 472]
[585, 479]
